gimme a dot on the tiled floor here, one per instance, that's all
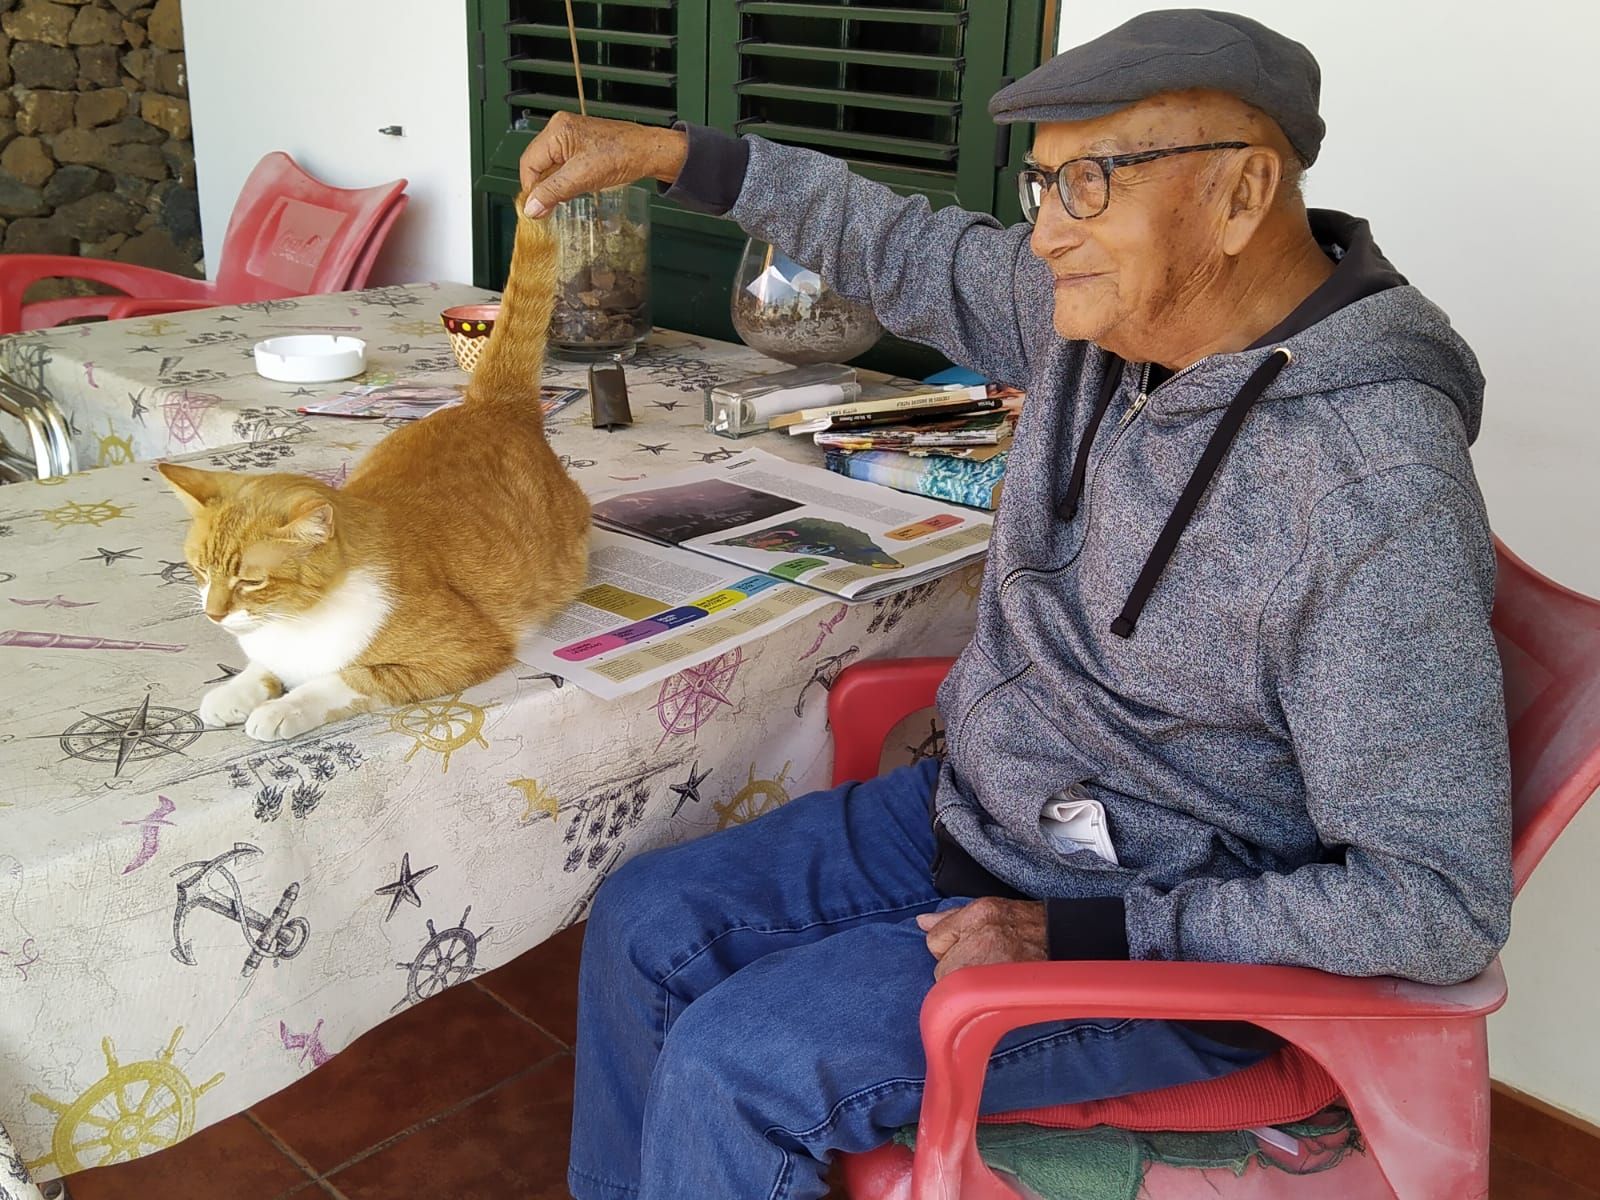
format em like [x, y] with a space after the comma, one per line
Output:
[466, 1096]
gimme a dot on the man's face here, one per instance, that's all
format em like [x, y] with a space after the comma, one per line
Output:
[1125, 274]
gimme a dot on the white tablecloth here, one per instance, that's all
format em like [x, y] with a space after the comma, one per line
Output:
[373, 863]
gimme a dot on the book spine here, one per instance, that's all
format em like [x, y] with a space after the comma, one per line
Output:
[914, 402]
[944, 479]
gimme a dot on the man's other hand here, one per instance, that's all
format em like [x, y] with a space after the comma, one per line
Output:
[573, 155]
[987, 930]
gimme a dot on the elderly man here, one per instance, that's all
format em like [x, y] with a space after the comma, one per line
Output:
[1232, 695]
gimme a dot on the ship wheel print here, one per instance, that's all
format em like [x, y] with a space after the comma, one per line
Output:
[132, 734]
[133, 1110]
[756, 797]
[445, 960]
[688, 700]
[443, 726]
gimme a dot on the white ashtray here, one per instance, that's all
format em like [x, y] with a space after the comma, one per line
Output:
[311, 358]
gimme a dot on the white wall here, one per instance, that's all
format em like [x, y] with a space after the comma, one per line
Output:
[1464, 132]
[317, 78]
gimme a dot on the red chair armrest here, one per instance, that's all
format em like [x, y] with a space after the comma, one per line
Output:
[969, 1010]
[871, 698]
[155, 307]
[18, 272]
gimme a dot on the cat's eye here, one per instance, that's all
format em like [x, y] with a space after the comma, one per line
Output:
[251, 585]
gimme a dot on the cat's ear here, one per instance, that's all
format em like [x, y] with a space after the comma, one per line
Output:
[196, 488]
[311, 524]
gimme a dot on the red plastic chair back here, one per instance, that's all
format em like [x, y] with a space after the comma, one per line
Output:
[293, 235]
[1549, 639]
[362, 271]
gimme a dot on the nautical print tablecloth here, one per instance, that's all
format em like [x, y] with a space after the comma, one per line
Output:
[190, 920]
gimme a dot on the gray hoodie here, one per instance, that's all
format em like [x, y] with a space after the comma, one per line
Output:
[1299, 737]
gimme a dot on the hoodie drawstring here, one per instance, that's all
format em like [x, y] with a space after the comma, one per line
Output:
[1194, 491]
[1068, 508]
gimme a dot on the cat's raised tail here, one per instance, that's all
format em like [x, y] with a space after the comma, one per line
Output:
[513, 362]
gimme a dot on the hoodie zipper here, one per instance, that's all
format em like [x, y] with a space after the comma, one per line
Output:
[973, 707]
[1128, 418]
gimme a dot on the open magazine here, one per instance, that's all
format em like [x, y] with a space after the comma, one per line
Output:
[649, 611]
[853, 540]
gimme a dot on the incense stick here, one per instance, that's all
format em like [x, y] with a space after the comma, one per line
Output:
[577, 69]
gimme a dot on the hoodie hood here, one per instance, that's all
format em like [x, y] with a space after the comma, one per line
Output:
[1364, 325]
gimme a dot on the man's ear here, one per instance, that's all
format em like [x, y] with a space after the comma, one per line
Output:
[196, 488]
[311, 523]
[1256, 179]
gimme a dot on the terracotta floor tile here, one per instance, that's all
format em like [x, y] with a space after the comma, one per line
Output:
[414, 1066]
[542, 984]
[231, 1158]
[512, 1142]
[1511, 1178]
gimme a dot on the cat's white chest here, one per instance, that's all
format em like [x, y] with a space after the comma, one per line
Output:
[325, 640]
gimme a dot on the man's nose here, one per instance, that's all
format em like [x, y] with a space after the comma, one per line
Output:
[1055, 232]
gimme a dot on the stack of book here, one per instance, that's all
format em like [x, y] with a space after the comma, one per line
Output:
[948, 443]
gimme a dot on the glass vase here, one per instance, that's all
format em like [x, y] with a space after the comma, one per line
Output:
[787, 312]
[602, 305]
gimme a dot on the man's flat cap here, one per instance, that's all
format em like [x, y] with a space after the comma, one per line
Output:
[1171, 51]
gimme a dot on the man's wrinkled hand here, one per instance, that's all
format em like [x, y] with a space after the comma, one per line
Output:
[573, 155]
[987, 930]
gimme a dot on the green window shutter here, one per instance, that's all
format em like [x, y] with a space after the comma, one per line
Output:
[642, 60]
[898, 88]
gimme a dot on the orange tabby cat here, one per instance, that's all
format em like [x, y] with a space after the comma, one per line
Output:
[417, 578]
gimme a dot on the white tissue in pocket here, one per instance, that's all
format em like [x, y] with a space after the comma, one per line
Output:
[1073, 820]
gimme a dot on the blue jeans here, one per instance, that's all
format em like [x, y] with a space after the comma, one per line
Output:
[747, 1007]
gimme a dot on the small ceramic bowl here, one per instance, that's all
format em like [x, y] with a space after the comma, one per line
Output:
[469, 327]
[311, 358]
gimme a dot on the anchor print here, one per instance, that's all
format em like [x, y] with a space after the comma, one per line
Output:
[277, 936]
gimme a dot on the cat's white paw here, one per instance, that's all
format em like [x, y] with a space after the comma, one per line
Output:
[286, 717]
[232, 702]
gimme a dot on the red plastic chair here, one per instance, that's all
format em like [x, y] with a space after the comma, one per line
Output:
[290, 235]
[1410, 1061]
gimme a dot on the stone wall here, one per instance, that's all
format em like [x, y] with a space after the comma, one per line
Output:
[96, 151]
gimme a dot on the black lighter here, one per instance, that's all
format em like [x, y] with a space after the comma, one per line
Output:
[608, 396]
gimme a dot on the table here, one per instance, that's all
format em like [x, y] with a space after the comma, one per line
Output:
[373, 863]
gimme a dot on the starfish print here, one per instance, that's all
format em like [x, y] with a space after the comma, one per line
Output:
[404, 888]
[669, 405]
[227, 673]
[224, 317]
[300, 392]
[690, 788]
[715, 456]
[655, 450]
[139, 410]
[172, 572]
[146, 350]
[110, 556]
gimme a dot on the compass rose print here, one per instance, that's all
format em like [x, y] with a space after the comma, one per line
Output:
[688, 700]
[131, 735]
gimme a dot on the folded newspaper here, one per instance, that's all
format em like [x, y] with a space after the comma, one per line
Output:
[800, 524]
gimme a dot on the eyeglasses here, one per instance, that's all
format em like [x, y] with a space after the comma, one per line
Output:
[1084, 184]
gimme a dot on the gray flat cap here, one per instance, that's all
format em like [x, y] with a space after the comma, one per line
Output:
[1171, 51]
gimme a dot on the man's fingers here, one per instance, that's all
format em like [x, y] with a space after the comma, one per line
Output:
[548, 150]
[566, 183]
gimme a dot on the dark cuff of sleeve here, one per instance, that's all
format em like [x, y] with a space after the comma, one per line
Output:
[1087, 930]
[713, 171]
